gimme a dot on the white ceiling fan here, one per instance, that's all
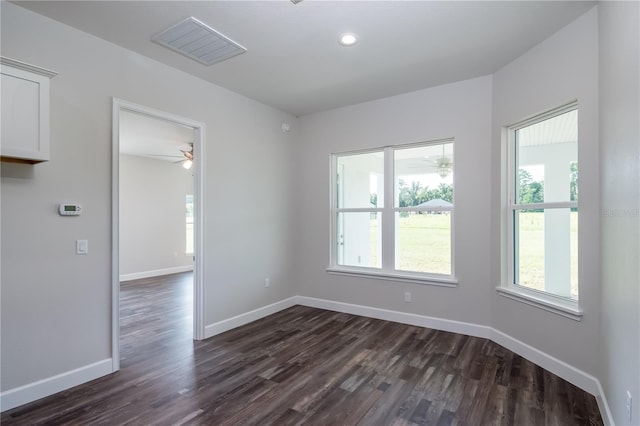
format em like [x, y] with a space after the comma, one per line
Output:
[441, 164]
[186, 159]
[444, 165]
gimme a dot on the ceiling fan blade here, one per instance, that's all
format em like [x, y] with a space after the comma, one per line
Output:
[162, 155]
[188, 154]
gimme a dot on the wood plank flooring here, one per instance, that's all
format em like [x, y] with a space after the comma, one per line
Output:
[304, 366]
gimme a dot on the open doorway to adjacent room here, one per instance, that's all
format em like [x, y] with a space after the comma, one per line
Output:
[157, 213]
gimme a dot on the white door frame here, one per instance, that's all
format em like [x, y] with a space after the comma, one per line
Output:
[198, 215]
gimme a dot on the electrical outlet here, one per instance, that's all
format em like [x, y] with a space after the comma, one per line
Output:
[629, 401]
[407, 296]
[267, 282]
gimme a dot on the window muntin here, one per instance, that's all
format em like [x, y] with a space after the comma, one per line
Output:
[543, 223]
[411, 236]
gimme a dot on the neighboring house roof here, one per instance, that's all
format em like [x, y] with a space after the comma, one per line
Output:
[436, 202]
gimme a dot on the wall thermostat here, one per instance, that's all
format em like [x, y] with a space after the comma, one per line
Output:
[70, 209]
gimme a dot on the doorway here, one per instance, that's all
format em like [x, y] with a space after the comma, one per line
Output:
[121, 110]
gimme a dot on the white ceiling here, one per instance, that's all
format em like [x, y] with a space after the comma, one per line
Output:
[294, 62]
[154, 138]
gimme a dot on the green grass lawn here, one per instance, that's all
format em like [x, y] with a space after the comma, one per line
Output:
[532, 251]
[424, 246]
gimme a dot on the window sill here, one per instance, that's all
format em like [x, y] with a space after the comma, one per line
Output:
[567, 309]
[444, 281]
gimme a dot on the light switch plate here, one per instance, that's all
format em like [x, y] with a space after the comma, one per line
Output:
[82, 246]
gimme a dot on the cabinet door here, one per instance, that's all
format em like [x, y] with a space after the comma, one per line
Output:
[25, 114]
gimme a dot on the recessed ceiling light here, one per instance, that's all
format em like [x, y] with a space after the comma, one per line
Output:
[348, 39]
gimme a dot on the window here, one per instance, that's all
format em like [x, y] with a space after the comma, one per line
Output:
[189, 223]
[392, 212]
[542, 211]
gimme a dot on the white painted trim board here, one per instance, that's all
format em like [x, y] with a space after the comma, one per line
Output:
[603, 406]
[155, 273]
[42, 388]
[242, 319]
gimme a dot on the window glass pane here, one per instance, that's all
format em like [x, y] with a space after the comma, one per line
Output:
[547, 160]
[359, 239]
[546, 251]
[529, 249]
[360, 180]
[424, 176]
[574, 254]
[189, 223]
[423, 242]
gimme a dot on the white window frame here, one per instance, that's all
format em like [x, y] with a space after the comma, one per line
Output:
[387, 270]
[563, 306]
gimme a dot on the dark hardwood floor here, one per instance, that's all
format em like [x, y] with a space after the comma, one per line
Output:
[305, 366]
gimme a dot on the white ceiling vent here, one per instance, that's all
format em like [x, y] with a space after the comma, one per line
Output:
[198, 41]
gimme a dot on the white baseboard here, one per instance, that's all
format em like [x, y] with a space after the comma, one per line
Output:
[396, 316]
[242, 319]
[155, 273]
[603, 406]
[34, 391]
[559, 368]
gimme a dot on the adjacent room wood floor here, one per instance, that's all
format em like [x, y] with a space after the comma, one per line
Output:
[305, 366]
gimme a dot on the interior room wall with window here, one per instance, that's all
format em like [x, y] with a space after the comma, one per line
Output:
[561, 69]
[55, 299]
[267, 196]
[459, 111]
[153, 230]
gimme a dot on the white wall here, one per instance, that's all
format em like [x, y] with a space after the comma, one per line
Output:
[619, 339]
[462, 111]
[56, 306]
[152, 215]
[562, 68]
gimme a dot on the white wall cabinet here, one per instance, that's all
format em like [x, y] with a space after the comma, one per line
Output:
[24, 91]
